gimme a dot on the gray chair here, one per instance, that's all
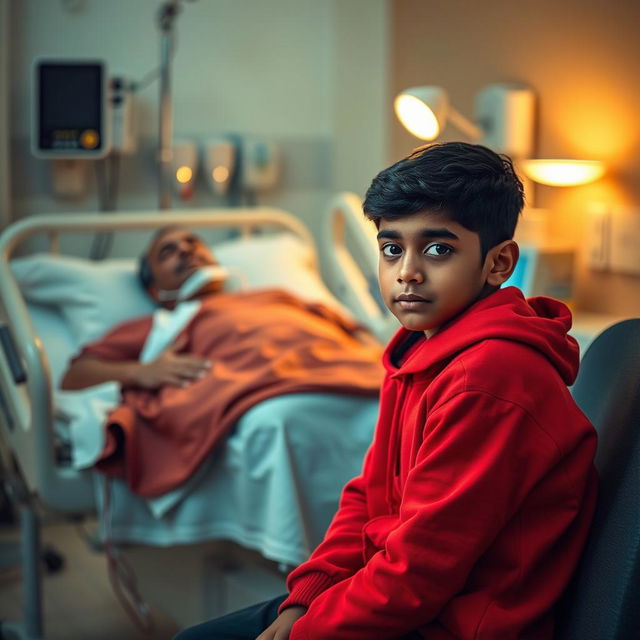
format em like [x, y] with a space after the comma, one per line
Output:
[603, 600]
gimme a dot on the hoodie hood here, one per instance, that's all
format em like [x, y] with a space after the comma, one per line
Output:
[540, 323]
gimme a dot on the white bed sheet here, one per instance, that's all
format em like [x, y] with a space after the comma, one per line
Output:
[273, 486]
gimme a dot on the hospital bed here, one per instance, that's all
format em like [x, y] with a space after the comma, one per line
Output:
[274, 486]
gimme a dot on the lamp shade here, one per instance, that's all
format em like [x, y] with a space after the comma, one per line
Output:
[422, 110]
[563, 173]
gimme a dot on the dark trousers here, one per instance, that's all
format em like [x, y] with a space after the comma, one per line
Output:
[246, 624]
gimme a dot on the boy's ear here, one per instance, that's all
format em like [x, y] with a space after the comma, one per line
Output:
[500, 262]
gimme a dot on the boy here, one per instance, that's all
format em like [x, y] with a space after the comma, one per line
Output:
[477, 493]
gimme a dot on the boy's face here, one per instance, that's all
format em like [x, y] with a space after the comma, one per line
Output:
[430, 269]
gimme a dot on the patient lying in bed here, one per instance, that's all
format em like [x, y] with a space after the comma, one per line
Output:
[189, 372]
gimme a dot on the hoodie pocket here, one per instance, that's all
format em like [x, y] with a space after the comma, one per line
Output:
[375, 534]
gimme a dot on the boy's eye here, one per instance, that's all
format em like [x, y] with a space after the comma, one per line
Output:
[438, 250]
[391, 250]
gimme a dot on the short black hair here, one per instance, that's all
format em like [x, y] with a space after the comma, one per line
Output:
[472, 184]
[145, 275]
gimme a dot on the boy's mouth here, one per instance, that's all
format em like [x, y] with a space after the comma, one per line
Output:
[411, 297]
[411, 301]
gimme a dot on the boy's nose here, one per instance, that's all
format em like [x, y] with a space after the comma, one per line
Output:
[410, 271]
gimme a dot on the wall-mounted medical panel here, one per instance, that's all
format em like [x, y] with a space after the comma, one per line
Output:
[71, 110]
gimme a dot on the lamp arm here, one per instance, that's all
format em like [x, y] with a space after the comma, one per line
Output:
[472, 131]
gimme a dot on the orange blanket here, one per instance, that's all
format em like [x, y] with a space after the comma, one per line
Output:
[262, 344]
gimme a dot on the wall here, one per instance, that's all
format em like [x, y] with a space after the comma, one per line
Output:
[360, 92]
[5, 201]
[276, 69]
[583, 59]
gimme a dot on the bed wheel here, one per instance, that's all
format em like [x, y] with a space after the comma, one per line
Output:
[52, 560]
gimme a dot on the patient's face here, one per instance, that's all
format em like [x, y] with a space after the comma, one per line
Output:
[174, 256]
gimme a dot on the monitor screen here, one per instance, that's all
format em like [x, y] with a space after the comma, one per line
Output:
[70, 108]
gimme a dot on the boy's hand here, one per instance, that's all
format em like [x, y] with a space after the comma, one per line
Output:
[281, 627]
[171, 367]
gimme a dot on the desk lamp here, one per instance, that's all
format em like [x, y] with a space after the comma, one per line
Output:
[504, 116]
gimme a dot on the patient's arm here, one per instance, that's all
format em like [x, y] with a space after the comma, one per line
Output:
[169, 367]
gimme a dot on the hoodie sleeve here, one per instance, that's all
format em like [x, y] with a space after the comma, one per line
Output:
[339, 555]
[458, 496]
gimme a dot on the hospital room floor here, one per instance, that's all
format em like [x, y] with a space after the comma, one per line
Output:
[78, 600]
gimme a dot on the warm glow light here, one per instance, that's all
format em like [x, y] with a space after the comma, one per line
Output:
[220, 173]
[417, 117]
[184, 174]
[563, 173]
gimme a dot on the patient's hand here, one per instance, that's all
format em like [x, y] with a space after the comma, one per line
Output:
[172, 368]
[281, 627]
[366, 338]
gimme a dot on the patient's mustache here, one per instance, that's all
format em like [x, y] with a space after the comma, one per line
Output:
[186, 263]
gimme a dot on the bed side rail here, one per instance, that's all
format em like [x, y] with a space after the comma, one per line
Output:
[351, 267]
[26, 401]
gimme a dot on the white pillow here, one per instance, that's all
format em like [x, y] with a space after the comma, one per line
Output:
[278, 260]
[92, 297]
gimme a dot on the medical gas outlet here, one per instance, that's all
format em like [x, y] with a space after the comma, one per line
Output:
[260, 162]
[247, 164]
[185, 167]
[220, 158]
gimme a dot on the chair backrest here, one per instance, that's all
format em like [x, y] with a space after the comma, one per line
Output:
[603, 600]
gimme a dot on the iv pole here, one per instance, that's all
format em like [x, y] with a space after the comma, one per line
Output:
[166, 17]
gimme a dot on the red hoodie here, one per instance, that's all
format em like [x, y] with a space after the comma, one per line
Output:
[476, 495]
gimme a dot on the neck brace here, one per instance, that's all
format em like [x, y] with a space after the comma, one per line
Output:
[194, 283]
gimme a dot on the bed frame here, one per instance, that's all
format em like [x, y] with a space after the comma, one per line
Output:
[26, 408]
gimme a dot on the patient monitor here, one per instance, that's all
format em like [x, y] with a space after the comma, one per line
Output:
[70, 111]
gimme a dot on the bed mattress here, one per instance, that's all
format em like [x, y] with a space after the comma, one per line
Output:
[273, 486]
